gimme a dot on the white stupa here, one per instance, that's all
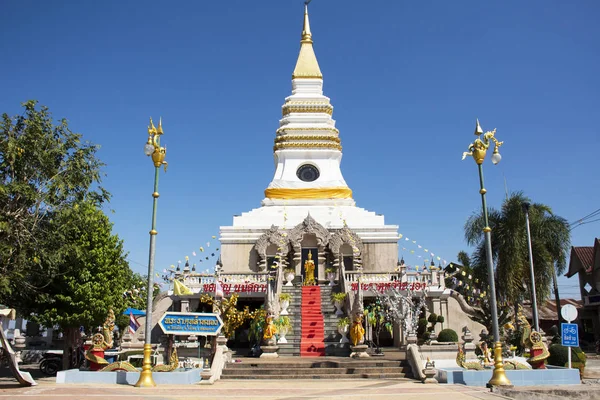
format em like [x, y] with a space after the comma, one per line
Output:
[308, 181]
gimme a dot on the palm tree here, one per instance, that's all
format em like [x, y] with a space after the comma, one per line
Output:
[550, 239]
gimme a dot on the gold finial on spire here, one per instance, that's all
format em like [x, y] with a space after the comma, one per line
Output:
[307, 65]
[306, 35]
[159, 130]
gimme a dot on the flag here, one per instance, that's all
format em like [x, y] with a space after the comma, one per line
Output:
[179, 289]
[218, 290]
[133, 323]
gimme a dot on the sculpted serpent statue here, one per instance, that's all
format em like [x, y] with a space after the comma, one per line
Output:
[102, 341]
[533, 341]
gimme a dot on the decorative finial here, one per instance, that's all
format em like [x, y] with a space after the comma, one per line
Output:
[306, 35]
[159, 130]
[151, 128]
[478, 130]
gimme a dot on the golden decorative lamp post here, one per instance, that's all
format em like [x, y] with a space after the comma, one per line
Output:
[151, 149]
[478, 149]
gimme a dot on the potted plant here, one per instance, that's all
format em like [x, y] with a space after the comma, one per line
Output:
[283, 327]
[343, 327]
[289, 275]
[338, 302]
[284, 299]
[330, 272]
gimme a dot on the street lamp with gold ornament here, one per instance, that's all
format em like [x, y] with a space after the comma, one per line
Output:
[158, 153]
[478, 149]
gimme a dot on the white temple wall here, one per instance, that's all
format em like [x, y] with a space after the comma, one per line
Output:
[380, 257]
[456, 319]
[239, 257]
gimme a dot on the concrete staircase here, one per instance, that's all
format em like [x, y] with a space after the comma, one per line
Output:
[322, 368]
[292, 347]
[333, 347]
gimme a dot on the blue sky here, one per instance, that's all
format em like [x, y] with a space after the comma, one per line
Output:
[407, 80]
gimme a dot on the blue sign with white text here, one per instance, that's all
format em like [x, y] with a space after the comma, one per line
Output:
[569, 334]
[200, 324]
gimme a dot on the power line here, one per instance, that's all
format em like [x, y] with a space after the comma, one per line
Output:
[585, 219]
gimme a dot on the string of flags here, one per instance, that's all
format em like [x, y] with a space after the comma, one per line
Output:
[409, 245]
[205, 254]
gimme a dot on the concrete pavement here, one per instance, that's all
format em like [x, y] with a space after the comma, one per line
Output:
[263, 390]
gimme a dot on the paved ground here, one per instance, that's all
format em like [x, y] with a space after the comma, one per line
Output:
[263, 390]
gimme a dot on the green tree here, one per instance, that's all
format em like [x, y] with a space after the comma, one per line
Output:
[43, 168]
[550, 239]
[92, 273]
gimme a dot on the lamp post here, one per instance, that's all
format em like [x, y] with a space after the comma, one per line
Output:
[151, 149]
[534, 309]
[478, 150]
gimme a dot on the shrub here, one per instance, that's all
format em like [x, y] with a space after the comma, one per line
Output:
[338, 297]
[447, 336]
[432, 318]
[440, 319]
[285, 297]
[559, 355]
[344, 321]
[422, 325]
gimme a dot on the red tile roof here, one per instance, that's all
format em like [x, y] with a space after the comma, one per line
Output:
[585, 254]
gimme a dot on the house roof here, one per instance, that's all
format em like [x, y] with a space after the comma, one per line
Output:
[547, 310]
[585, 256]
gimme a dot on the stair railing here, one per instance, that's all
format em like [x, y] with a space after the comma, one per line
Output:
[346, 287]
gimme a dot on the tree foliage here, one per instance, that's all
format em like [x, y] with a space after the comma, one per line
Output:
[60, 264]
[550, 239]
[44, 168]
[92, 272]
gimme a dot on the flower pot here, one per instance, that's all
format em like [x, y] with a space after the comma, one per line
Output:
[331, 277]
[284, 305]
[343, 330]
[338, 308]
[282, 332]
[289, 277]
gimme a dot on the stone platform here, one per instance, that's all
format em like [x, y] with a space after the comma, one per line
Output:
[326, 368]
[75, 376]
[534, 377]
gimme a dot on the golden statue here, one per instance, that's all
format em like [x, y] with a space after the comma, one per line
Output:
[357, 332]
[270, 329]
[309, 271]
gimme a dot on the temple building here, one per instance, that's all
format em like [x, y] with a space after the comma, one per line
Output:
[308, 197]
[309, 240]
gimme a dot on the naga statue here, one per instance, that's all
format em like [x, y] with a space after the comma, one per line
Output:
[101, 342]
[463, 363]
[171, 366]
[533, 341]
[488, 360]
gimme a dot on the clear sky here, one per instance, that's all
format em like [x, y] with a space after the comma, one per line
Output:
[407, 80]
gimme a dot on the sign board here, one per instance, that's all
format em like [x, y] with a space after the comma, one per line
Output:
[569, 312]
[200, 324]
[569, 335]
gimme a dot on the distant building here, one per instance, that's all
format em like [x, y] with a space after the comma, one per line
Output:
[585, 261]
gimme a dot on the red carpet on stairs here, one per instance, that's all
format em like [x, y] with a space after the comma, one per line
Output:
[313, 335]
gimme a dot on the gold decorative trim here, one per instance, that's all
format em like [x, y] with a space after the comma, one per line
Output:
[285, 129]
[305, 145]
[304, 102]
[285, 138]
[316, 193]
[286, 109]
[296, 76]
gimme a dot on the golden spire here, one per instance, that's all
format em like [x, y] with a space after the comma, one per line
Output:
[307, 65]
